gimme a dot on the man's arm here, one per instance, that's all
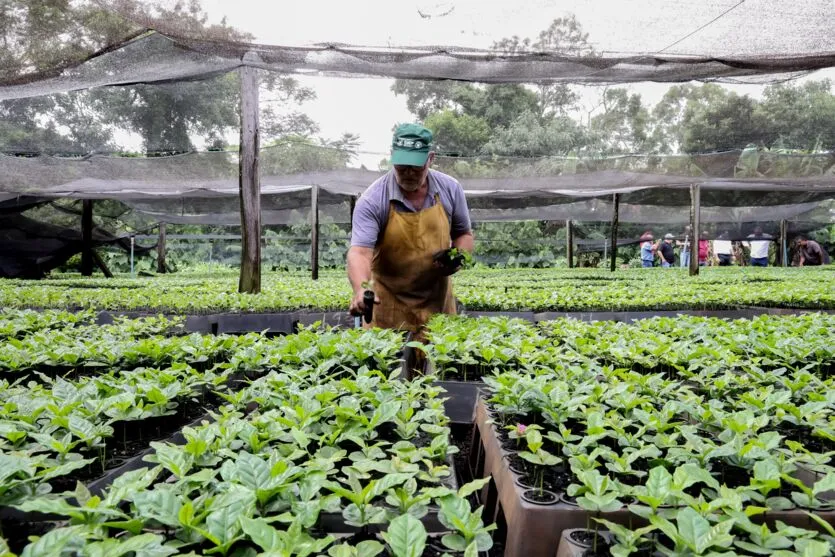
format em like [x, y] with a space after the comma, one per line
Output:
[359, 272]
[465, 242]
[461, 227]
[365, 231]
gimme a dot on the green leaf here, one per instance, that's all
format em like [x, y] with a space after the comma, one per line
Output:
[369, 548]
[387, 482]
[827, 483]
[406, 536]
[659, 483]
[812, 548]
[455, 542]
[159, 504]
[174, 458]
[224, 520]
[717, 535]
[56, 543]
[260, 532]
[691, 527]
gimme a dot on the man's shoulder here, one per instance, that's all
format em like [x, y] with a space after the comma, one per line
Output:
[378, 190]
[444, 180]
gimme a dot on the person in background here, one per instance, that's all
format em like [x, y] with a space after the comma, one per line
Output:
[647, 249]
[723, 249]
[704, 249]
[811, 252]
[758, 243]
[685, 247]
[665, 248]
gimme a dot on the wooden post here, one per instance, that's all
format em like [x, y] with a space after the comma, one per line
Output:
[250, 187]
[695, 225]
[783, 253]
[87, 237]
[352, 206]
[102, 265]
[569, 243]
[314, 232]
[161, 249]
[614, 244]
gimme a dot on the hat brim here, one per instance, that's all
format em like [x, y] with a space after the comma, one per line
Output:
[409, 158]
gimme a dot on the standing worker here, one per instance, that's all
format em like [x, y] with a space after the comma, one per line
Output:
[704, 249]
[723, 249]
[685, 246]
[402, 223]
[647, 250]
[665, 248]
[758, 243]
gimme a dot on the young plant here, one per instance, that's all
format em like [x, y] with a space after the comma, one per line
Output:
[467, 526]
[538, 456]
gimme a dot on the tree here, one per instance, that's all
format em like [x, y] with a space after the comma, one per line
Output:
[799, 116]
[457, 134]
[458, 112]
[704, 118]
[726, 123]
[531, 136]
[564, 36]
[622, 126]
[38, 35]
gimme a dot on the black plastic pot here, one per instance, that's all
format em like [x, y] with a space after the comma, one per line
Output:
[543, 497]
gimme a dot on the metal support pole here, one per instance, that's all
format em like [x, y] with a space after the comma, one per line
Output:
[614, 245]
[132, 244]
[314, 232]
[569, 243]
[87, 237]
[784, 253]
[161, 249]
[695, 224]
[249, 183]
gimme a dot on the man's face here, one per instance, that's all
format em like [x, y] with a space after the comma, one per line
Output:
[411, 178]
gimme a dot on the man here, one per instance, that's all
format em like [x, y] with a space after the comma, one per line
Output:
[723, 249]
[811, 252]
[665, 248]
[759, 247]
[401, 223]
[704, 249]
[647, 249]
[685, 247]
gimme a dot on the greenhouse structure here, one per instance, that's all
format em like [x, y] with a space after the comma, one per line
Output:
[565, 411]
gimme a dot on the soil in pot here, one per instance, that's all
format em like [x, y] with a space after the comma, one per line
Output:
[540, 497]
[553, 480]
[586, 538]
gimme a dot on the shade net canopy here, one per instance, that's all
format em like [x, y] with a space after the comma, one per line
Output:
[743, 186]
[489, 42]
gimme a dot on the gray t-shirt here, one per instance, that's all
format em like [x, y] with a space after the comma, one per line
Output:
[372, 209]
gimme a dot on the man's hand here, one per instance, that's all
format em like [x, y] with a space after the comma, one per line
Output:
[357, 306]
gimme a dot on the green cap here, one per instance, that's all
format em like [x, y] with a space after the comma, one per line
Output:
[410, 145]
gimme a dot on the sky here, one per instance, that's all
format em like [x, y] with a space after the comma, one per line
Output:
[368, 108]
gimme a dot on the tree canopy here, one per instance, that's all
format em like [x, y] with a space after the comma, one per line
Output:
[168, 118]
[537, 121]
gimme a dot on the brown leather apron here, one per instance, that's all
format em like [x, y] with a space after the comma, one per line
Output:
[409, 286]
